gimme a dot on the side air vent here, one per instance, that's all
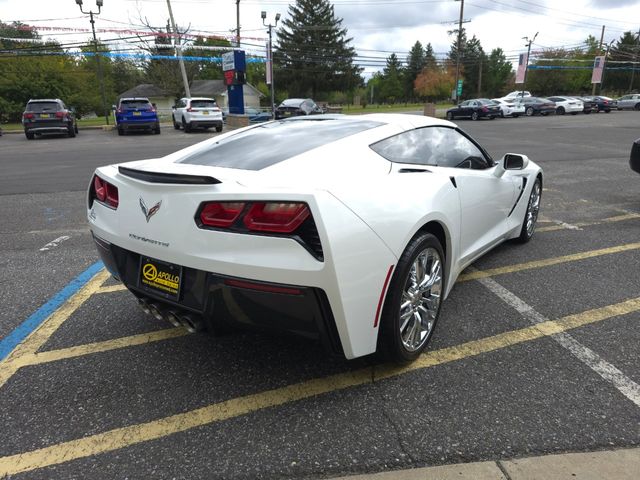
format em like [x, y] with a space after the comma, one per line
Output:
[414, 170]
[173, 178]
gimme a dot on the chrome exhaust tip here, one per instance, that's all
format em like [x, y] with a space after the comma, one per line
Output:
[173, 319]
[192, 324]
[155, 311]
[144, 305]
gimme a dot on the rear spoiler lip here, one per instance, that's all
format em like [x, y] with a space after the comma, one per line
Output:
[170, 178]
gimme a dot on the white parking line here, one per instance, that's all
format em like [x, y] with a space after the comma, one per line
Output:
[607, 371]
[55, 243]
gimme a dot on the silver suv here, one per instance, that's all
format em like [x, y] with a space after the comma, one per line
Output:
[48, 116]
[190, 113]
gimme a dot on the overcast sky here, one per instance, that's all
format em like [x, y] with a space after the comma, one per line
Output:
[378, 27]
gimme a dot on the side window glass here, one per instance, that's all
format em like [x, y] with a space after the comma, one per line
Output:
[437, 146]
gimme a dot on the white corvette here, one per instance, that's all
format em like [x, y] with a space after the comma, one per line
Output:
[347, 229]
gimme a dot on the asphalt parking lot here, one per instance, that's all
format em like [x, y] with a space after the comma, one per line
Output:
[536, 351]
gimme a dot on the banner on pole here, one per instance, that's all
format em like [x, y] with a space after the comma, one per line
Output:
[523, 60]
[598, 67]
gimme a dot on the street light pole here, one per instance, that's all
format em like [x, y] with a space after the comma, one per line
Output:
[270, 54]
[526, 68]
[95, 51]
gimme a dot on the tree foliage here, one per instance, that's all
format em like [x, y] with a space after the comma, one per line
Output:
[313, 55]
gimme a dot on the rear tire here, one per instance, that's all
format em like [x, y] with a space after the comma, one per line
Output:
[529, 112]
[475, 116]
[186, 126]
[560, 111]
[120, 131]
[413, 300]
[218, 129]
[156, 129]
[29, 135]
[449, 116]
[636, 107]
[531, 215]
[176, 125]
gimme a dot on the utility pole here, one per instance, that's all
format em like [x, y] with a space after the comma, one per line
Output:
[237, 23]
[178, 45]
[526, 68]
[480, 77]
[593, 89]
[459, 52]
[604, 64]
[270, 62]
[97, 55]
[633, 65]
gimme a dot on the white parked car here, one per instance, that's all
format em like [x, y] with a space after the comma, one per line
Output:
[509, 108]
[190, 113]
[516, 94]
[567, 105]
[347, 229]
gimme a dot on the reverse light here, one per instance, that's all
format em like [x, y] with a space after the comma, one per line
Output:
[221, 214]
[276, 217]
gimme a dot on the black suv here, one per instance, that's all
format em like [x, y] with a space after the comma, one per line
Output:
[294, 107]
[48, 116]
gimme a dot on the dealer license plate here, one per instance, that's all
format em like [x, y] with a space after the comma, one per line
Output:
[137, 113]
[160, 278]
[44, 115]
[206, 112]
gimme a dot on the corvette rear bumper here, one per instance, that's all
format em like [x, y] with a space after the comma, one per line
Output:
[223, 300]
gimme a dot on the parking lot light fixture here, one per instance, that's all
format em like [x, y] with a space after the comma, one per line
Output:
[270, 59]
[91, 13]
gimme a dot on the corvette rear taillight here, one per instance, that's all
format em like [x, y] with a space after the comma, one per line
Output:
[276, 217]
[290, 219]
[104, 192]
[221, 214]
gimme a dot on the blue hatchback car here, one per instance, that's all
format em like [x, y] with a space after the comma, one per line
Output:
[136, 114]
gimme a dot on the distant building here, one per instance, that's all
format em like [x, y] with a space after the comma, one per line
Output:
[155, 94]
[218, 90]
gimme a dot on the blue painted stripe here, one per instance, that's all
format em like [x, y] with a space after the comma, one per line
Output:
[11, 341]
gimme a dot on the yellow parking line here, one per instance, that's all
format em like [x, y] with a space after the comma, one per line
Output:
[135, 434]
[105, 346]
[111, 288]
[518, 267]
[38, 337]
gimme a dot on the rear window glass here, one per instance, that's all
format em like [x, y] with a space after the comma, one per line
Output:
[203, 104]
[42, 107]
[274, 142]
[134, 104]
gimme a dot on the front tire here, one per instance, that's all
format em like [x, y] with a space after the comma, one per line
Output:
[413, 300]
[531, 215]
[449, 116]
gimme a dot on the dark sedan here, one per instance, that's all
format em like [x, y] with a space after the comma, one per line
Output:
[602, 104]
[634, 160]
[294, 107]
[538, 106]
[475, 109]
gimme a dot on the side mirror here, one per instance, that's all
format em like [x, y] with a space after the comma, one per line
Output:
[511, 161]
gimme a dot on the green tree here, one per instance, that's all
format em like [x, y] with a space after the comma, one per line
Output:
[498, 73]
[313, 55]
[391, 88]
[619, 71]
[207, 69]
[32, 70]
[416, 61]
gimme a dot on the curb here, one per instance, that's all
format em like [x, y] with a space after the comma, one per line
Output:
[623, 464]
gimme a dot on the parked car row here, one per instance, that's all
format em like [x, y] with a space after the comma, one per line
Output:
[523, 103]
